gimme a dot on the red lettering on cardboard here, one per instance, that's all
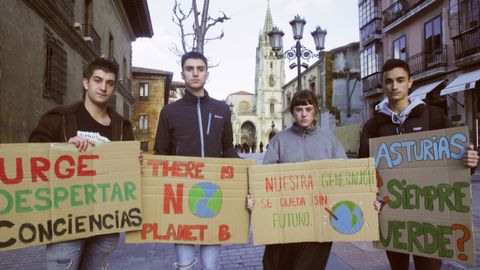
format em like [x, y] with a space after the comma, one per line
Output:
[181, 232]
[170, 198]
[227, 172]
[18, 176]
[82, 166]
[223, 233]
[38, 169]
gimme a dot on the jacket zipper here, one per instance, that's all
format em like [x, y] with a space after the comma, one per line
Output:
[64, 128]
[200, 127]
[209, 122]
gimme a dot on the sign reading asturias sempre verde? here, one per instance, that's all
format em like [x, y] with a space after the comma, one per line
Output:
[427, 191]
[50, 192]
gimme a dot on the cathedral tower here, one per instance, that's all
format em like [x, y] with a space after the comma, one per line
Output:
[269, 79]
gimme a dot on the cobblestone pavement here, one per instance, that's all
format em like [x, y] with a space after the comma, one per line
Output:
[344, 256]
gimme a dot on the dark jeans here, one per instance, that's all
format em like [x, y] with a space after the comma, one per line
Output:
[400, 261]
[296, 256]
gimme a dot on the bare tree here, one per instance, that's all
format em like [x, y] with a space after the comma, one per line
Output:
[195, 39]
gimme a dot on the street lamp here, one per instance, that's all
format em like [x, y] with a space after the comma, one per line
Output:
[298, 51]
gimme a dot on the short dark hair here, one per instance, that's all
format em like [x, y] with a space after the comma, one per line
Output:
[194, 55]
[394, 63]
[103, 64]
[302, 98]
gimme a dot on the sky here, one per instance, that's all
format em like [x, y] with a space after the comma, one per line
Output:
[235, 53]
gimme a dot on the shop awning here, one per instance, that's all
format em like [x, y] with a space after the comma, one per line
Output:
[463, 82]
[422, 91]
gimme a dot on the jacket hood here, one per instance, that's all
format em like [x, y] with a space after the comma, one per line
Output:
[382, 108]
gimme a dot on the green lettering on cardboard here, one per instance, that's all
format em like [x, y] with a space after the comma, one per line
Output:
[130, 189]
[59, 194]
[459, 195]
[396, 198]
[443, 241]
[397, 234]
[414, 230]
[116, 193]
[74, 195]
[20, 199]
[90, 191]
[8, 206]
[46, 199]
[407, 196]
[444, 192]
[386, 241]
[430, 233]
[430, 193]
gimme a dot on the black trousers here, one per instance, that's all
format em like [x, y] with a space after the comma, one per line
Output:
[296, 256]
[401, 261]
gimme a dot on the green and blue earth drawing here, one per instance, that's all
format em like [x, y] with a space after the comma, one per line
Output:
[205, 200]
[348, 217]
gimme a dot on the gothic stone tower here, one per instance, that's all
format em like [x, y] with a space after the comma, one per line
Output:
[269, 79]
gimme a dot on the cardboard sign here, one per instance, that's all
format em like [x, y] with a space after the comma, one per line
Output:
[193, 200]
[329, 200]
[428, 193]
[50, 192]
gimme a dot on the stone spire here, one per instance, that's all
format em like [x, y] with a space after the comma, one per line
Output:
[267, 26]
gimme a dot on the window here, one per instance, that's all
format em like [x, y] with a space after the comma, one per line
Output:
[144, 146]
[469, 14]
[312, 87]
[367, 11]
[144, 91]
[124, 73]
[272, 107]
[433, 38]
[143, 124]
[370, 60]
[55, 77]
[400, 48]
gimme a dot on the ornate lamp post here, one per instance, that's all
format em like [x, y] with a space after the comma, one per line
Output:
[298, 51]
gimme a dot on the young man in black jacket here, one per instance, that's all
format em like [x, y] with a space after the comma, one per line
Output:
[92, 117]
[198, 126]
[399, 114]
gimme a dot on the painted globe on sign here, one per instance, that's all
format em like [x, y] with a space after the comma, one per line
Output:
[348, 217]
[205, 200]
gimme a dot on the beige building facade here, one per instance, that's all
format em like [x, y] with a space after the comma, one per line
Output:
[151, 90]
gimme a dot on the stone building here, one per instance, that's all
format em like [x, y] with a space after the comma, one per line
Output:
[151, 89]
[257, 117]
[46, 45]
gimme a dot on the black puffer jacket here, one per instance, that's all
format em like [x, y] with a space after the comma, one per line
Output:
[420, 118]
[195, 126]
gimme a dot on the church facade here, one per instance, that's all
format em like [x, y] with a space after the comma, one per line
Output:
[257, 117]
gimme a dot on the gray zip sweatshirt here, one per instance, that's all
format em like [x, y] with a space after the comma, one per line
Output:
[297, 144]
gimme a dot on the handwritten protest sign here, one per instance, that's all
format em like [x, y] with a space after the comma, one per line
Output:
[428, 194]
[50, 192]
[193, 200]
[329, 200]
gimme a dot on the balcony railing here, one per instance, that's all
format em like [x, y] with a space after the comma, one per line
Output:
[467, 43]
[371, 30]
[398, 9]
[92, 37]
[425, 61]
[372, 82]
